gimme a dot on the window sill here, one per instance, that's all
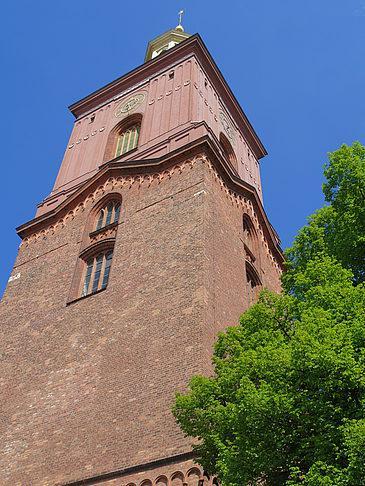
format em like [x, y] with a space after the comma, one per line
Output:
[120, 157]
[85, 296]
[104, 228]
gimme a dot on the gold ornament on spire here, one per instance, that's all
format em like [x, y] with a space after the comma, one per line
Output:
[166, 41]
[179, 26]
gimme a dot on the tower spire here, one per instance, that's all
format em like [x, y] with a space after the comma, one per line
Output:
[179, 26]
[167, 40]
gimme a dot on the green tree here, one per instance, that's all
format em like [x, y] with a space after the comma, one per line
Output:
[286, 405]
[338, 229]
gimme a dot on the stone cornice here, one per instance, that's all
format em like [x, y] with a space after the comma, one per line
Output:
[193, 46]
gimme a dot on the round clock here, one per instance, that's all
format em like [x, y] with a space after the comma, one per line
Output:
[227, 127]
[130, 104]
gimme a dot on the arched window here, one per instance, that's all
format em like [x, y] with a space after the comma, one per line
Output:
[108, 215]
[96, 253]
[252, 260]
[128, 139]
[249, 237]
[97, 273]
[228, 150]
[123, 137]
[253, 282]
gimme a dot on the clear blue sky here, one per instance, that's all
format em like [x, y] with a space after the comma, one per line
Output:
[296, 68]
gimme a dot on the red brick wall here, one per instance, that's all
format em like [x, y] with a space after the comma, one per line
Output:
[87, 387]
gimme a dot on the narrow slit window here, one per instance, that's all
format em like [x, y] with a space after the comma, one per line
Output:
[100, 220]
[246, 234]
[89, 270]
[99, 263]
[250, 289]
[125, 142]
[117, 212]
[109, 213]
[108, 262]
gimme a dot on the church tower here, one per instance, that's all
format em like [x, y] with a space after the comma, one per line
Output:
[153, 239]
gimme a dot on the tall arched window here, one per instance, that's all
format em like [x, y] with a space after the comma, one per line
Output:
[123, 137]
[253, 283]
[128, 139]
[228, 150]
[97, 273]
[250, 289]
[249, 237]
[252, 260]
[96, 254]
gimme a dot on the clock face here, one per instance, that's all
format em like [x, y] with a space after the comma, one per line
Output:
[227, 127]
[129, 105]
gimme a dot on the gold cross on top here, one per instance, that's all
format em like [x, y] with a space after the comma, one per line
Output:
[181, 13]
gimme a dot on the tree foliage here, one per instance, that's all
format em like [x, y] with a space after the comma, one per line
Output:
[338, 229]
[286, 403]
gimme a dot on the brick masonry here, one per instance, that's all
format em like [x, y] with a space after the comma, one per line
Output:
[87, 383]
[88, 386]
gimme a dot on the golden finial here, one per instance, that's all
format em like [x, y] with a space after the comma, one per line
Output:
[179, 26]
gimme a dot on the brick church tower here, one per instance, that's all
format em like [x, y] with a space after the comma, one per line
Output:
[153, 239]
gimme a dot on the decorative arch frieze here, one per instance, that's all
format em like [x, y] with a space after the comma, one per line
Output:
[246, 206]
[177, 479]
[119, 182]
[103, 190]
[192, 477]
[146, 482]
[161, 481]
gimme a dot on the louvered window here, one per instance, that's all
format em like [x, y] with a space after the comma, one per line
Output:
[128, 140]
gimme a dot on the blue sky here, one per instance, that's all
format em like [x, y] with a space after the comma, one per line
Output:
[296, 68]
